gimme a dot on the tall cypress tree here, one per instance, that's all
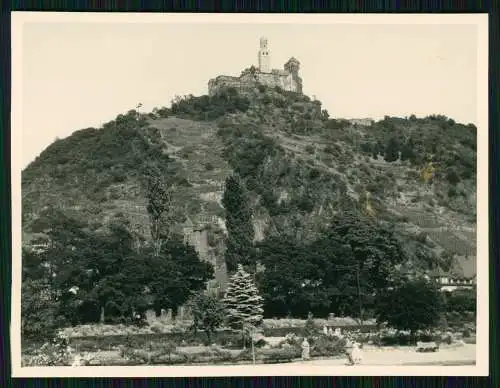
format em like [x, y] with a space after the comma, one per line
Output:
[242, 301]
[239, 242]
[159, 207]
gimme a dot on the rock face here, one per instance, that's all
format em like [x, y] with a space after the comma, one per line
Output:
[208, 240]
[287, 78]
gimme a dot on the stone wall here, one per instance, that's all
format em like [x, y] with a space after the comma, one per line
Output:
[282, 79]
[223, 81]
[285, 80]
[362, 122]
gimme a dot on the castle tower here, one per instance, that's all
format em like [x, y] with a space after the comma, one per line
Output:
[293, 67]
[264, 58]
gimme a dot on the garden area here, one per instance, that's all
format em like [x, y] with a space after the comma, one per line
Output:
[180, 345]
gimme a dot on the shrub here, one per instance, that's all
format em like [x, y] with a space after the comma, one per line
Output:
[208, 313]
[402, 339]
[277, 355]
[208, 354]
[470, 340]
[150, 353]
[326, 346]
[310, 149]
[39, 315]
[452, 192]
[310, 329]
[452, 176]
[53, 353]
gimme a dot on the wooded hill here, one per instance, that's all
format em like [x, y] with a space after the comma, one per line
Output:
[298, 169]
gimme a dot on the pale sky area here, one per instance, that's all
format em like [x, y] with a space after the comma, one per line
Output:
[79, 75]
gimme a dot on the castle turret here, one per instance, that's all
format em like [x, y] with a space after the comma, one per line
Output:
[264, 58]
[292, 66]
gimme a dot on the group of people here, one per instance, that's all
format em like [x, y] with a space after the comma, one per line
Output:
[352, 348]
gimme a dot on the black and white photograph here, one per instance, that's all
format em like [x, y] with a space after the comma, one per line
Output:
[238, 195]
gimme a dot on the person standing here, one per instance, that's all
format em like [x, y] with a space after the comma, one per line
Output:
[349, 346]
[356, 353]
[305, 350]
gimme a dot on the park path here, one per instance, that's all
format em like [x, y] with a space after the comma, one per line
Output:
[463, 355]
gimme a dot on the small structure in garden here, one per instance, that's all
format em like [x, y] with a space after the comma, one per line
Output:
[427, 347]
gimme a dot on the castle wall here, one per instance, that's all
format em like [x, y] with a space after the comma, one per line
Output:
[223, 81]
[281, 78]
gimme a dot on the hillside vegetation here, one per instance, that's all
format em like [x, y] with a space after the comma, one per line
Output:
[298, 167]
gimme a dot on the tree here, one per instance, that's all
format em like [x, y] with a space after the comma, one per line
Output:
[374, 247]
[322, 276]
[108, 275]
[208, 313]
[461, 301]
[309, 328]
[392, 150]
[242, 301]
[296, 279]
[174, 274]
[407, 150]
[159, 207]
[413, 305]
[39, 310]
[240, 232]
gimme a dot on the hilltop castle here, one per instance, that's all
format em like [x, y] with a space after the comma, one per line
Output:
[287, 79]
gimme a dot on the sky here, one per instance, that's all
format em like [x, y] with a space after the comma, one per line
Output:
[77, 75]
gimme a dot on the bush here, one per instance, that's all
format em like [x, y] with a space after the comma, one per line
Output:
[53, 353]
[208, 354]
[466, 333]
[452, 177]
[310, 149]
[151, 353]
[326, 346]
[310, 328]
[403, 339]
[470, 340]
